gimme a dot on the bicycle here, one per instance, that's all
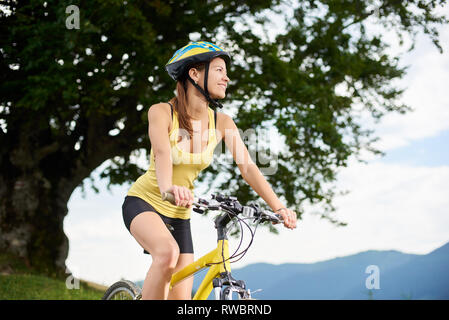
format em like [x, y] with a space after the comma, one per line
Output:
[219, 277]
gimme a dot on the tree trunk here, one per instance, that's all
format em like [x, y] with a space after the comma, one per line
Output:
[33, 201]
[37, 177]
[32, 212]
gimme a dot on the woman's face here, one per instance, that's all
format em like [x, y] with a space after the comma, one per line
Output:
[217, 80]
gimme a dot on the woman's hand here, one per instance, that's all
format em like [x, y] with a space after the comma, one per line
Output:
[289, 217]
[183, 196]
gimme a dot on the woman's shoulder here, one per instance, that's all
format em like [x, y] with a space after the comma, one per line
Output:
[160, 112]
[224, 121]
[161, 107]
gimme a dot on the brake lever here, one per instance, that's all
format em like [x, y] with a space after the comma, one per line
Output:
[269, 217]
[198, 210]
[202, 205]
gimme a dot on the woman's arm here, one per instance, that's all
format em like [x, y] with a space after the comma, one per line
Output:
[158, 124]
[251, 173]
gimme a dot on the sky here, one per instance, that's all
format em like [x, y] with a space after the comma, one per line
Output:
[396, 202]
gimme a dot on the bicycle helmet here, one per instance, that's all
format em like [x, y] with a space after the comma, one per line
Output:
[195, 52]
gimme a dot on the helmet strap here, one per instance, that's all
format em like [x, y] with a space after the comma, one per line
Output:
[206, 77]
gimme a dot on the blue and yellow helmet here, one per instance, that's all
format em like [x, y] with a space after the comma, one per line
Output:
[191, 54]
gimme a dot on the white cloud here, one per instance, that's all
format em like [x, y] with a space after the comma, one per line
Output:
[406, 206]
[426, 92]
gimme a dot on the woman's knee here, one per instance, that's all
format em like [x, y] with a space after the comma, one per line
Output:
[166, 256]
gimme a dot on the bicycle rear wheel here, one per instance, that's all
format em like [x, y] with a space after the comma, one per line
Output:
[122, 290]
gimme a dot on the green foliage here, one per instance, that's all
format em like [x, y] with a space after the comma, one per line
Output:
[76, 98]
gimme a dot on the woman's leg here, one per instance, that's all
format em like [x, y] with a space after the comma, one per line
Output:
[183, 290]
[152, 234]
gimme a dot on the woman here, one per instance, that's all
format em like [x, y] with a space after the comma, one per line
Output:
[183, 135]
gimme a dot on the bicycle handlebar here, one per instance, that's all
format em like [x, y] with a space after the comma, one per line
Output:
[167, 196]
[230, 204]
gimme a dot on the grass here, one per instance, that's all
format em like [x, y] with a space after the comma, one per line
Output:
[17, 282]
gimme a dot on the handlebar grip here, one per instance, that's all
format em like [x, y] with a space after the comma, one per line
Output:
[167, 196]
[280, 219]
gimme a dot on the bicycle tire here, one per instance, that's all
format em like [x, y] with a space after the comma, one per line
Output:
[122, 290]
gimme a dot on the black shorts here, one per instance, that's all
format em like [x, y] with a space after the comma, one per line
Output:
[133, 206]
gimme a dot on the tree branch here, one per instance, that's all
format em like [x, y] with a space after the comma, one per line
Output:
[45, 151]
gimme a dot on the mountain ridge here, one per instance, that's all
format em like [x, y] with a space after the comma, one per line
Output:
[401, 275]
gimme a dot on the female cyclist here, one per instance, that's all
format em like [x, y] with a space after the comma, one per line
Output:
[183, 135]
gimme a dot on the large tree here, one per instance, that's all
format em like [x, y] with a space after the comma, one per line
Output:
[73, 98]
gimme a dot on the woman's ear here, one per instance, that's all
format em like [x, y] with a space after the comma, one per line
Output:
[194, 74]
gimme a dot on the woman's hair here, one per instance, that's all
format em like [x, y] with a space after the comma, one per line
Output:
[180, 101]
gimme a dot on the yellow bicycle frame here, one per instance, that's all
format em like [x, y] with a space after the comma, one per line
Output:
[213, 260]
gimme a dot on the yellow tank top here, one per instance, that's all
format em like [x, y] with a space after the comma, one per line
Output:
[186, 167]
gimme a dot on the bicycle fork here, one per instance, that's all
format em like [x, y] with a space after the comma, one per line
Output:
[230, 285]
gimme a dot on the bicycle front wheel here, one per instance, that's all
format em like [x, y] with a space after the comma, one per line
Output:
[122, 290]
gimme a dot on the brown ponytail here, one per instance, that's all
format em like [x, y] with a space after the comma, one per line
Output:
[180, 102]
